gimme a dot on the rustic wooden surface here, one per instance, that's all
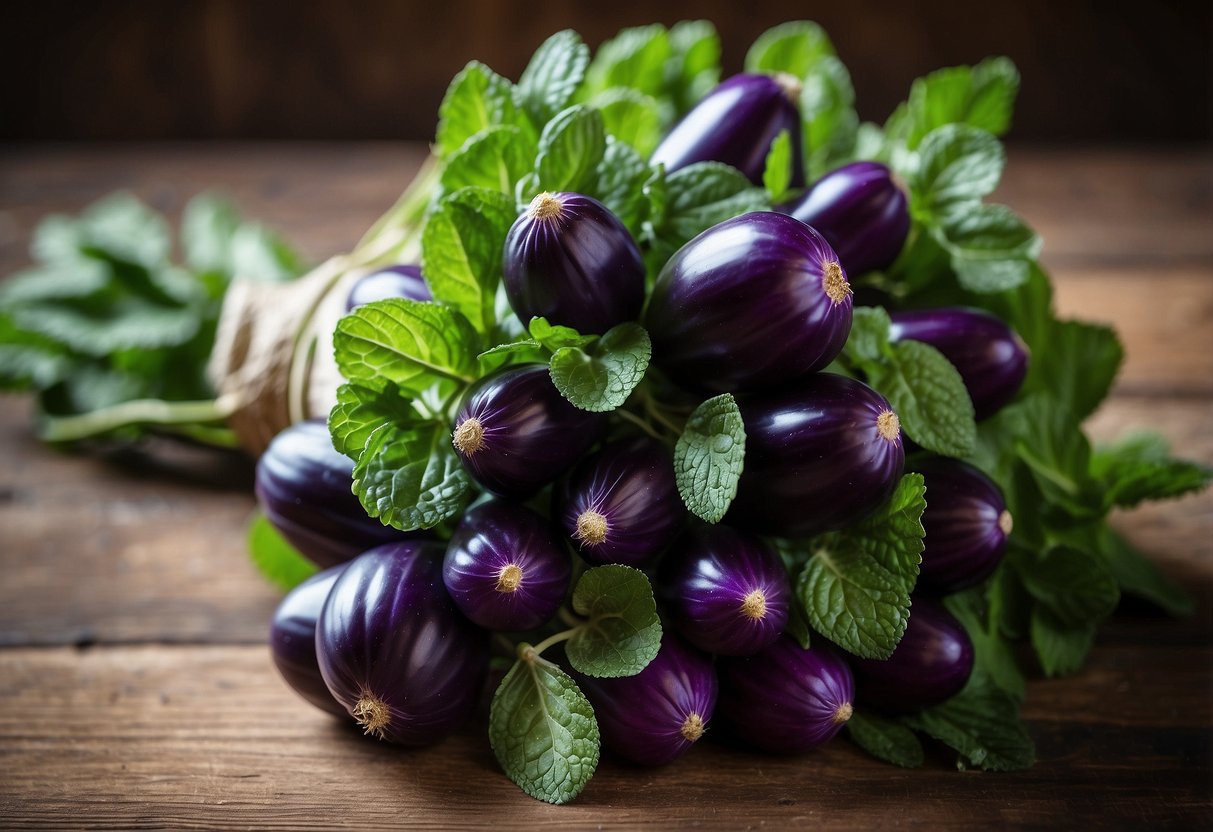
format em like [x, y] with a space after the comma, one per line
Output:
[136, 689]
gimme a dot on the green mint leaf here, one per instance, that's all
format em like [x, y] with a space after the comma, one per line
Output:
[693, 68]
[1140, 468]
[121, 228]
[702, 195]
[993, 651]
[1075, 363]
[982, 725]
[709, 457]
[1049, 440]
[361, 410]
[831, 125]
[600, 377]
[991, 248]
[635, 58]
[622, 176]
[495, 158]
[523, 351]
[793, 47]
[885, 739]
[259, 254]
[570, 149]
[1061, 648]
[630, 116]
[207, 227]
[554, 337]
[476, 100]
[102, 329]
[410, 476]
[555, 71]
[869, 338]
[277, 560]
[893, 535]
[981, 96]
[927, 395]
[28, 359]
[543, 732]
[1076, 586]
[798, 625]
[957, 166]
[854, 601]
[78, 280]
[622, 633]
[777, 172]
[1138, 575]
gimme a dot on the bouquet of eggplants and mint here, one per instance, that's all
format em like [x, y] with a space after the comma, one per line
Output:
[712, 408]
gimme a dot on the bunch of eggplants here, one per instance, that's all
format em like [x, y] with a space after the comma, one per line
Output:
[625, 424]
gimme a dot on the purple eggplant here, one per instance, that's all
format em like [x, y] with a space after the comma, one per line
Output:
[506, 568]
[293, 639]
[822, 455]
[990, 357]
[305, 488]
[756, 301]
[862, 212]
[931, 663]
[515, 433]
[966, 523]
[786, 699]
[394, 651]
[654, 717]
[570, 260]
[404, 281]
[728, 591]
[621, 505]
[735, 124]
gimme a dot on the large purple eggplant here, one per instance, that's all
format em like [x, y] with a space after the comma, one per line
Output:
[786, 699]
[966, 523]
[821, 455]
[404, 281]
[506, 568]
[621, 505]
[394, 651]
[305, 488]
[931, 663]
[515, 433]
[570, 260]
[293, 639]
[990, 357]
[757, 301]
[735, 124]
[654, 717]
[728, 591]
[861, 211]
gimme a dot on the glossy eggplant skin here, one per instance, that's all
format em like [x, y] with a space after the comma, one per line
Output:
[570, 260]
[861, 211]
[735, 124]
[403, 281]
[757, 301]
[305, 488]
[505, 567]
[394, 651]
[515, 433]
[293, 639]
[990, 357]
[621, 505]
[931, 664]
[727, 591]
[966, 523]
[654, 717]
[786, 700]
[819, 456]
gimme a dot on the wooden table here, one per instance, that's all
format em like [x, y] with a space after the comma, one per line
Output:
[136, 688]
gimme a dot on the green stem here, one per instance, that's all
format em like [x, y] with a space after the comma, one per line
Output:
[171, 415]
[402, 221]
[563, 635]
[638, 422]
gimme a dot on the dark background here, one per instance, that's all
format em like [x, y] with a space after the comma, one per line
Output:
[375, 69]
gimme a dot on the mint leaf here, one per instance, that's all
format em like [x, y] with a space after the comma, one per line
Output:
[476, 100]
[410, 476]
[831, 125]
[1138, 575]
[361, 410]
[1076, 363]
[1140, 468]
[634, 58]
[570, 148]
[543, 732]
[524, 351]
[709, 457]
[885, 739]
[277, 560]
[495, 158]
[630, 116]
[957, 166]
[622, 176]
[622, 633]
[547, 84]
[28, 359]
[991, 248]
[869, 339]
[1050, 442]
[777, 172]
[101, 329]
[928, 396]
[981, 96]
[982, 725]
[793, 47]
[600, 377]
[993, 651]
[1075, 586]
[702, 195]
[693, 67]
[1062, 649]
[555, 337]
[854, 601]
[894, 534]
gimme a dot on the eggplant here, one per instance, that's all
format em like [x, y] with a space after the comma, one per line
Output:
[861, 210]
[305, 489]
[735, 124]
[991, 358]
[654, 717]
[728, 591]
[505, 567]
[403, 281]
[821, 455]
[931, 664]
[786, 699]
[621, 505]
[570, 260]
[293, 639]
[394, 651]
[757, 301]
[515, 433]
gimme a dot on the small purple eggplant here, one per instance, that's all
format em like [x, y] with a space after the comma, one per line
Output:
[515, 433]
[394, 651]
[727, 590]
[735, 124]
[824, 454]
[621, 505]
[654, 717]
[786, 699]
[932, 663]
[991, 358]
[570, 260]
[757, 301]
[506, 568]
[404, 281]
[862, 212]
[293, 639]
